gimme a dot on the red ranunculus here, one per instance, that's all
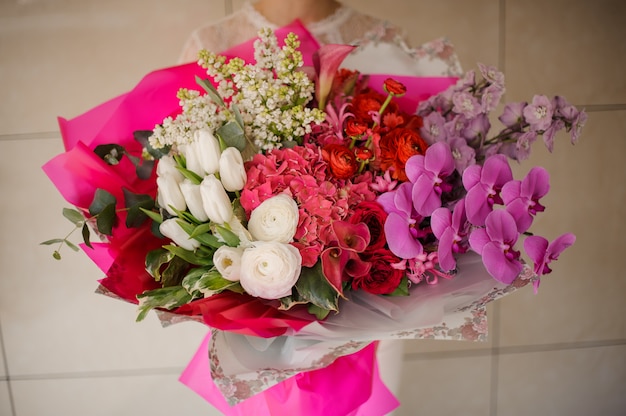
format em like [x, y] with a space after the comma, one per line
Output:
[373, 215]
[355, 128]
[369, 100]
[341, 161]
[382, 279]
[396, 147]
[394, 87]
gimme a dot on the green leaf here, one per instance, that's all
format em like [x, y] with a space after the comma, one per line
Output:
[70, 245]
[402, 289]
[143, 136]
[192, 176]
[210, 90]
[313, 287]
[137, 204]
[53, 241]
[229, 237]
[206, 282]
[233, 135]
[166, 298]
[189, 256]
[154, 216]
[155, 259]
[320, 313]
[75, 216]
[174, 272]
[86, 235]
[235, 109]
[112, 153]
[106, 220]
[101, 200]
[56, 255]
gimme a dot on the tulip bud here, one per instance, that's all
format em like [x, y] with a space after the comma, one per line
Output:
[170, 194]
[208, 151]
[232, 172]
[191, 193]
[215, 200]
[172, 230]
[167, 166]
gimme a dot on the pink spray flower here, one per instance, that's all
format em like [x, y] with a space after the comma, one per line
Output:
[495, 243]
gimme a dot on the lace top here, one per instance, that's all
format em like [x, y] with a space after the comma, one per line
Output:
[345, 26]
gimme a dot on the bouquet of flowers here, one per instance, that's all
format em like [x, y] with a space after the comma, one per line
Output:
[303, 211]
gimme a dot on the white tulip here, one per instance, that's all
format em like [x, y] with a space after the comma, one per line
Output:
[192, 161]
[208, 150]
[193, 198]
[170, 194]
[269, 270]
[276, 219]
[227, 261]
[167, 166]
[215, 200]
[172, 230]
[232, 172]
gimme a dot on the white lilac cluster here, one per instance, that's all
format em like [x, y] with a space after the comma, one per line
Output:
[271, 95]
[199, 112]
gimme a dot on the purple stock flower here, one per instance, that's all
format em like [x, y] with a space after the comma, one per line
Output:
[476, 127]
[450, 228]
[483, 185]
[548, 135]
[433, 130]
[524, 144]
[427, 174]
[491, 74]
[577, 125]
[513, 114]
[462, 154]
[495, 244]
[491, 97]
[521, 198]
[539, 113]
[401, 226]
[542, 253]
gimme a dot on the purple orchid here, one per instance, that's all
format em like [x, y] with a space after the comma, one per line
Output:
[483, 185]
[401, 225]
[542, 253]
[495, 244]
[427, 174]
[522, 197]
[450, 228]
[326, 61]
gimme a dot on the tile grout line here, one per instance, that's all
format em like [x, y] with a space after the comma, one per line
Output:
[8, 379]
[99, 374]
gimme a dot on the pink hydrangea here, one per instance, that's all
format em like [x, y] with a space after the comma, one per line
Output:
[302, 173]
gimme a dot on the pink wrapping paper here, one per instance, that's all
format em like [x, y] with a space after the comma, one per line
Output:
[361, 391]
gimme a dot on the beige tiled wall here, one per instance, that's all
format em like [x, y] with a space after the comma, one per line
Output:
[561, 352]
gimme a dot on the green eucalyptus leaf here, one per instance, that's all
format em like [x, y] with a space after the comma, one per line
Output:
[101, 200]
[106, 220]
[144, 169]
[235, 109]
[313, 287]
[233, 135]
[70, 245]
[51, 242]
[143, 136]
[112, 153]
[86, 233]
[75, 216]
[137, 204]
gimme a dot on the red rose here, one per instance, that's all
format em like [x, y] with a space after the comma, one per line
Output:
[382, 279]
[394, 87]
[341, 161]
[396, 147]
[373, 215]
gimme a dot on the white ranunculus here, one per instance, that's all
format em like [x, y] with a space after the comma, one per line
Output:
[227, 261]
[172, 230]
[276, 219]
[215, 200]
[170, 194]
[232, 172]
[208, 149]
[269, 270]
[193, 198]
